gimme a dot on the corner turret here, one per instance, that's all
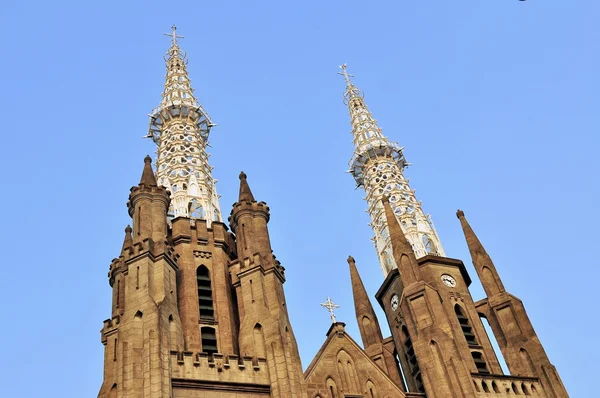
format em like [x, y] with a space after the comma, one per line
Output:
[148, 204]
[248, 220]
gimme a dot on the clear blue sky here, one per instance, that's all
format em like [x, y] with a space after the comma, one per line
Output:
[495, 101]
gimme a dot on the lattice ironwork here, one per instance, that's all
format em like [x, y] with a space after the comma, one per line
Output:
[377, 165]
[180, 127]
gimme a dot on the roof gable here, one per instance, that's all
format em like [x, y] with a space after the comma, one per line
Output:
[342, 365]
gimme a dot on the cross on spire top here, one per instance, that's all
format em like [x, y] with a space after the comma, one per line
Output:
[331, 306]
[345, 73]
[174, 35]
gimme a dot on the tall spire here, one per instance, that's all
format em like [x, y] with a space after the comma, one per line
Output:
[180, 127]
[377, 166]
[368, 324]
[488, 275]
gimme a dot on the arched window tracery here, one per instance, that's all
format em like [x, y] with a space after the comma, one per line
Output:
[195, 209]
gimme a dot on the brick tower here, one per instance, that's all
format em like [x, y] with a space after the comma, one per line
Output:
[200, 311]
[437, 334]
[197, 311]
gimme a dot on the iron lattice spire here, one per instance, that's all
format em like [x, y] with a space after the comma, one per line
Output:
[377, 166]
[180, 127]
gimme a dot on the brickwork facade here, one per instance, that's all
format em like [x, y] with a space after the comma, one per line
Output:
[199, 311]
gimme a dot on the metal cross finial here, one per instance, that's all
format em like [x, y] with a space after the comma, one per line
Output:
[331, 306]
[345, 73]
[174, 35]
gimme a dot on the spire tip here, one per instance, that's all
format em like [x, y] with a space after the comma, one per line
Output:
[345, 73]
[460, 213]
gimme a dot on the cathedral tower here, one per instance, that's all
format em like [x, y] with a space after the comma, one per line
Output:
[520, 345]
[197, 311]
[442, 346]
[377, 166]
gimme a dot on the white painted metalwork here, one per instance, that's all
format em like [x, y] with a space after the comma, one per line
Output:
[331, 306]
[180, 127]
[377, 166]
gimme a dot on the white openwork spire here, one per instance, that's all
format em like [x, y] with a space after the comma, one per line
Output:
[377, 165]
[180, 127]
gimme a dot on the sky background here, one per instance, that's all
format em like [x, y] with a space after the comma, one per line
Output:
[496, 103]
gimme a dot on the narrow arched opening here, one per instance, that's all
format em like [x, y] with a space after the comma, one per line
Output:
[331, 387]
[495, 387]
[471, 339]
[195, 209]
[205, 301]
[514, 388]
[485, 386]
[259, 341]
[494, 342]
[411, 359]
[429, 245]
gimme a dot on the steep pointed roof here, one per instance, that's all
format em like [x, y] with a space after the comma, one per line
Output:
[364, 126]
[490, 279]
[399, 241]
[337, 342]
[128, 241]
[371, 333]
[148, 174]
[245, 192]
[401, 247]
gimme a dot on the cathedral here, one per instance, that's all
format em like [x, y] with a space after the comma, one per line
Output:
[199, 308]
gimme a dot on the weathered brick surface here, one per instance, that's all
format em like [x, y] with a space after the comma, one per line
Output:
[154, 347]
[343, 366]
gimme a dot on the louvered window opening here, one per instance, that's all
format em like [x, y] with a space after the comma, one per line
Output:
[209, 340]
[205, 301]
[411, 358]
[467, 330]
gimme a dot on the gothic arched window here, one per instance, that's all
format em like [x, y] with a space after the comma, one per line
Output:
[428, 243]
[331, 388]
[205, 301]
[411, 359]
[467, 330]
[195, 209]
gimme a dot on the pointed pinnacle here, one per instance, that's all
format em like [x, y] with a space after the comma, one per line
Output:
[128, 241]
[361, 298]
[363, 308]
[492, 284]
[148, 174]
[245, 192]
[396, 233]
